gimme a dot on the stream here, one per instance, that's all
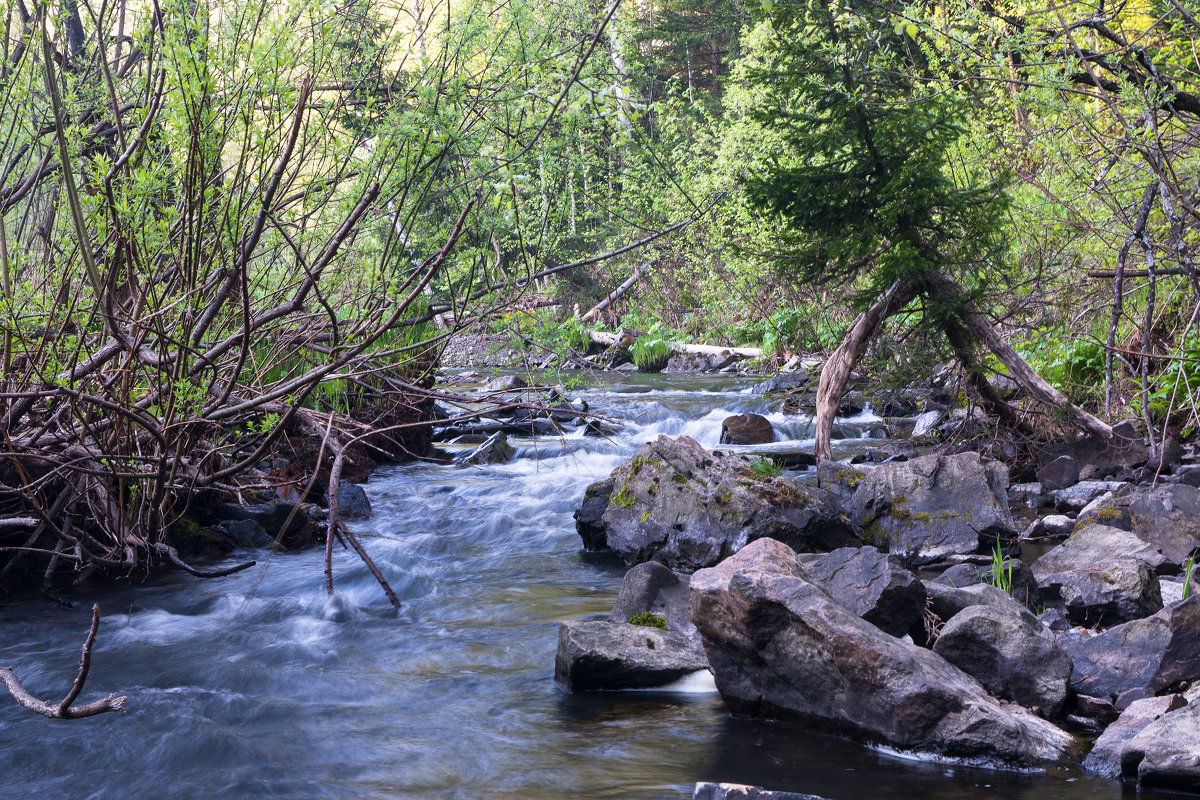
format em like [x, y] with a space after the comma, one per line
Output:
[259, 685]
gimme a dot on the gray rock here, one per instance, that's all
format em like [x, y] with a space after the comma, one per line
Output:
[1173, 589]
[600, 654]
[840, 479]
[693, 363]
[1167, 517]
[1163, 755]
[1101, 575]
[934, 506]
[873, 585]
[747, 428]
[1013, 657]
[927, 421]
[1110, 749]
[589, 516]
[948, 601]
[1028, 494]
[495, 450]
[1152, 654]
[287, 523]
[1059, 473]
[656, 589]
[783, 382]
[677, 503]
[1075, 498]
[780, 646]
[1057, 525]
[245, 532]
[1105, 456]
[505, 383]
[353, 502]
[737, 791]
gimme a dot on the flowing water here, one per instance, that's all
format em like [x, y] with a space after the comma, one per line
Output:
[259, 685]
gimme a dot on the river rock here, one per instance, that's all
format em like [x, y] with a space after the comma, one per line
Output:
[839, 478]
[738, 791]
[934, 506]
[780, 646]
[700, 362]
[873, 585]
[783, 382]
[1163, 755]
[1015, 658]
[677, 503]
[1059, 473]
[1017, 577]
[495, 450]
[1101, 575]
[1105, 456]
[747, 429]
[653, 588]
[353, 502]
[1077, 497]
[1150, 654]
[947, 601]
[600, 654]
[1110, 749]
[287, 523]
[589, 516]
[1167, 517]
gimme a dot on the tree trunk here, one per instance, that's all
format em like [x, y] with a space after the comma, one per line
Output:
[837, 368]
[981, 329]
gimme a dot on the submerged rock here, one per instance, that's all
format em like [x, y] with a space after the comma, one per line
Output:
[781, 646]
[679, 504]
[934, 506]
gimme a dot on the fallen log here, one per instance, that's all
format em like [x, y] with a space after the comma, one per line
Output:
[624, 339]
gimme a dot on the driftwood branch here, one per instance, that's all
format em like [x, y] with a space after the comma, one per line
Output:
[64, 709]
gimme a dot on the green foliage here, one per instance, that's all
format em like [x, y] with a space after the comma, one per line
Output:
[1187, 576]
[1074, 366]
[861, 183]
[650, 352]
[766, 467]
[1000, 575]
[648, 620]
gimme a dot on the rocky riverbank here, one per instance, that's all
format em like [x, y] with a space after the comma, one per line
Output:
[889, 601]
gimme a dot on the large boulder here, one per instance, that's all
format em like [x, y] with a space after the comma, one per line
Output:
[780, 646]
[747, 428]
[1101, 575]
[1167, 517]
[1014, 657]
[873, 585]
[934, 506]
[600, 654]
[1146, 655]
[680, 504]
[1164, 754]
[1110, 749]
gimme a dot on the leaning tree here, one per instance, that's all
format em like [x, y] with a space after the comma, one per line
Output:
[864, 195]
